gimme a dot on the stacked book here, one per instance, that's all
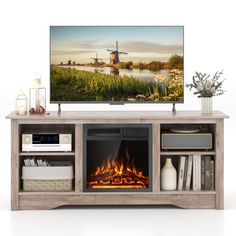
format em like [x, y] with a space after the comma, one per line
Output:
[197, 171]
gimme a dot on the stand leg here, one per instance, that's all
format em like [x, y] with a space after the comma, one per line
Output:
[15, 175]
[59, 108]
[219, 164]
[173, 109]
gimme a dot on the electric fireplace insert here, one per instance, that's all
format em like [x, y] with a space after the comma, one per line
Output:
[117, 157]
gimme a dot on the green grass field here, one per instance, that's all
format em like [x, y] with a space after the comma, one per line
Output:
[74, 85]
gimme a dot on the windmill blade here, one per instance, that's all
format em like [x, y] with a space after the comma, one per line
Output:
[117, 46]
[110, 50]
[122, 52]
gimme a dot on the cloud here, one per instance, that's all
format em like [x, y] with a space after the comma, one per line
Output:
[82, 44]
[68, 52]
[149, 47]
[130, 46]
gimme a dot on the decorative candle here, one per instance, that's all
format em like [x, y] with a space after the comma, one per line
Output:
[21, 110]
[21, 104]
[37, 96]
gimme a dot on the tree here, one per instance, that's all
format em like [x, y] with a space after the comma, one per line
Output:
[154, 65]
[129, 65]
[176, 62]
[125, 65]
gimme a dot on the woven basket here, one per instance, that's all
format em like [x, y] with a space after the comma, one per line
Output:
[48, 185]
[52, 178]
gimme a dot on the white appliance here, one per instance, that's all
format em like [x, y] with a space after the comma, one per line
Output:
[46, 142]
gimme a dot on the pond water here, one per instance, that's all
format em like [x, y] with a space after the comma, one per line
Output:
[145, 75]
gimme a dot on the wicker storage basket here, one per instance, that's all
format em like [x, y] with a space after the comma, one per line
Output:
[50, 178]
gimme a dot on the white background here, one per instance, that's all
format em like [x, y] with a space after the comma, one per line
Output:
[210, 40]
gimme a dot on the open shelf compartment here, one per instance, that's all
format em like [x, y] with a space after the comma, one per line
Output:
[58, 177]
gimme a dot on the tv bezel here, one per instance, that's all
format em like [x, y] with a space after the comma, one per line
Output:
[111, 102]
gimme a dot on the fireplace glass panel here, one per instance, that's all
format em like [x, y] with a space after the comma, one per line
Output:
[117, 158]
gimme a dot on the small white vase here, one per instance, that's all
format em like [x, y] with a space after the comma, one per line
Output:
[168, 176]
[207, 105]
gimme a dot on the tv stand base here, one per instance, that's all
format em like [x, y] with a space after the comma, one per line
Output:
[188, 200]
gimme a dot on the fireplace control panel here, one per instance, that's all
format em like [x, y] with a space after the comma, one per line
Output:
[118, 132]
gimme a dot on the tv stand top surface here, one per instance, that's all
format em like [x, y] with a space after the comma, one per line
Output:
[119, 115]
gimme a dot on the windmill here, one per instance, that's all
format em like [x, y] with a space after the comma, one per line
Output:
[69, 61]
[114, 55]
[96, 59]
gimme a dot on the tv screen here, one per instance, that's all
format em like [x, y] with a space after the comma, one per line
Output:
[116, 64]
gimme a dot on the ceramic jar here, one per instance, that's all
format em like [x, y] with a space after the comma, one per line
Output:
[168, 176]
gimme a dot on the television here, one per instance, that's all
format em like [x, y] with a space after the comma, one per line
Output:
[116, 64]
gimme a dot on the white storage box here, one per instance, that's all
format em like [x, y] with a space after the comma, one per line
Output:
[49, 178]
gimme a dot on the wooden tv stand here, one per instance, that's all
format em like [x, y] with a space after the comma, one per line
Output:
[74, 121]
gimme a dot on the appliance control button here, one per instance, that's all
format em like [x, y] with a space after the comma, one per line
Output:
[66, 139]
[27, 140]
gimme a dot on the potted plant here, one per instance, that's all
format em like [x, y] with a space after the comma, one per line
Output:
[206, 87]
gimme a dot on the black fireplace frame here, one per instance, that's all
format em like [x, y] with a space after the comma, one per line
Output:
[86, 127]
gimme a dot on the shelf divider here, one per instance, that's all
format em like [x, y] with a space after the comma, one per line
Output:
[156, 176]
[188, 192]
[47, 154]
[163, 153]
[78, 158]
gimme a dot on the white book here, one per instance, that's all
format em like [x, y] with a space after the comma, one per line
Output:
[196, 172]
[189, 172]
[181, 172]
[199, 173]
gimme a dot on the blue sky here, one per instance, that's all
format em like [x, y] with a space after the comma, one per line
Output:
[147, 43]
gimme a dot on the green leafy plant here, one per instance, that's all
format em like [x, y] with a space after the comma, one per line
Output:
[206, 86]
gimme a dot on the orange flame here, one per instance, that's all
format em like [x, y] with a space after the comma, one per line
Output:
[115, 174]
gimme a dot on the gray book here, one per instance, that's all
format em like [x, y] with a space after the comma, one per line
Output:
[207, 172]
[185, 173]
[212, 175]
[202, 173]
